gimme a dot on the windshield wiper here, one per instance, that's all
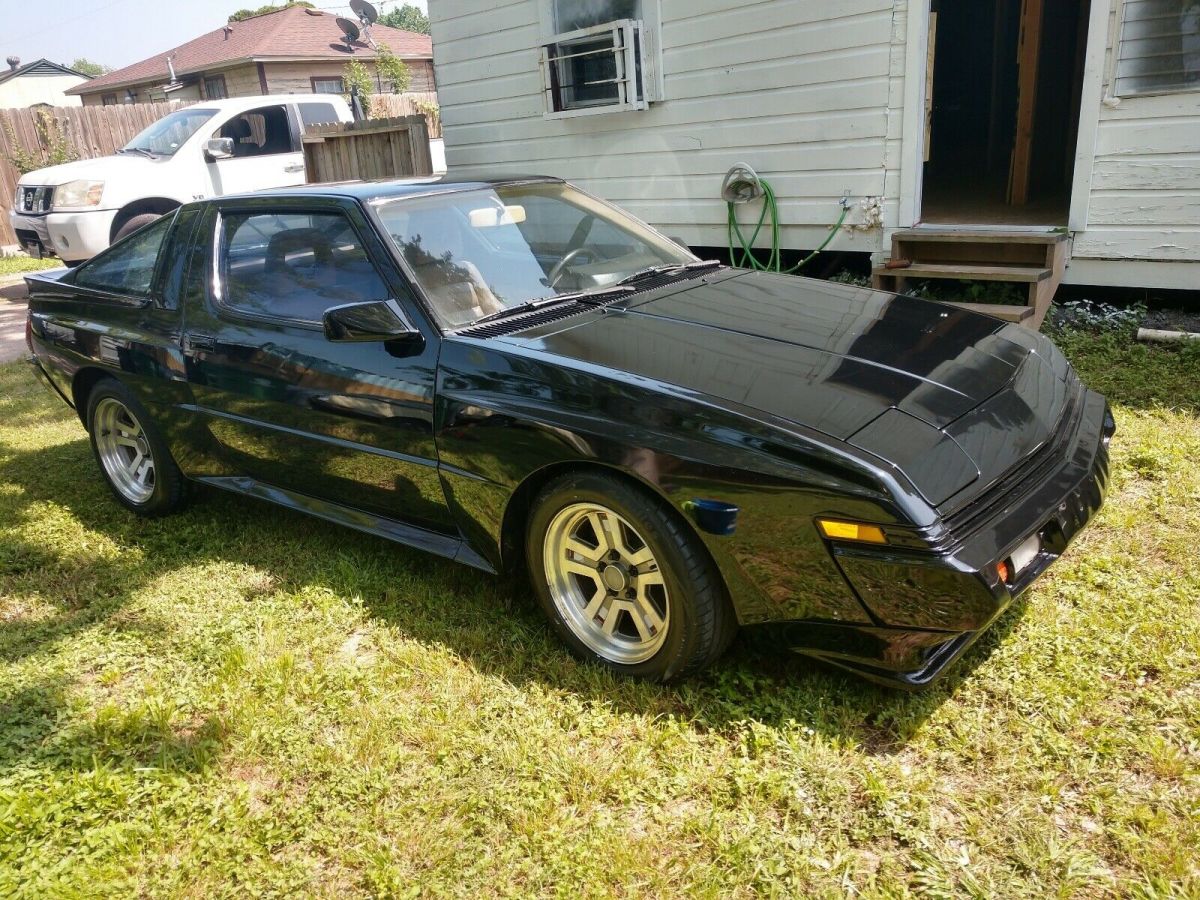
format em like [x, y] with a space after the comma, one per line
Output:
[522, 308]
[667, 268]
[145, 151]
[540, 302]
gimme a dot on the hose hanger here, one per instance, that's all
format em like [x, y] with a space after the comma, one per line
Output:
[743, 185]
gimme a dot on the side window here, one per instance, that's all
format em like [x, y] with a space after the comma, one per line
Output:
[259, 132]
[127, 268]
[174, 258]
[318, 114]
[294, 265]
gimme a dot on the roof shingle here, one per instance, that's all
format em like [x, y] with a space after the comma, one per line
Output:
[292, 32]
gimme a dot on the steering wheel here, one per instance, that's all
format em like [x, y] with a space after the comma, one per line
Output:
[560, 267]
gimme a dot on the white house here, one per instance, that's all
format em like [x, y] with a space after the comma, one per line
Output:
[974, 121]
[39, 83]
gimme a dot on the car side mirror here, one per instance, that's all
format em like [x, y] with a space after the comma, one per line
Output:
[374, 320]
[218, 148]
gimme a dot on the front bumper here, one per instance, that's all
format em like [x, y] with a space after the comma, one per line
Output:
[930, 608]
[71, 236]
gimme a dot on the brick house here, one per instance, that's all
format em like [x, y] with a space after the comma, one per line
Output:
[294, 50]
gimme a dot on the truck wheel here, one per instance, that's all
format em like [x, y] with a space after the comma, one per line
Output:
[623, 580]
[132, 455]
[134, 224]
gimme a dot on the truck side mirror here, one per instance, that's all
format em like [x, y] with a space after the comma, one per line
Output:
[218, 148]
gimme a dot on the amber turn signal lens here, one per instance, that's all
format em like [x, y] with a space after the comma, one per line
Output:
[851, 531]
[1002, 571]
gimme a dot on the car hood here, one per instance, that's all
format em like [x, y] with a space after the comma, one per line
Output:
[891, 374]
[104, 168]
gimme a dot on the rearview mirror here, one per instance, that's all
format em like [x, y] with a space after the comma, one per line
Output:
[218, 148]
[495, 216]
[374, 320]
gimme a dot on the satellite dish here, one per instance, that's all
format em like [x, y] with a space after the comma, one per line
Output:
[350, 31]
[367, 14]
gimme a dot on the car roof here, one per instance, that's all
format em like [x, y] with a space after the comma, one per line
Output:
[397, 188]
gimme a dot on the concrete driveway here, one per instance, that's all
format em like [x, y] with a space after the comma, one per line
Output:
[12, 321]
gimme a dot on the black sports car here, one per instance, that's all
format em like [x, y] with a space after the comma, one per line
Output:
[512, 372]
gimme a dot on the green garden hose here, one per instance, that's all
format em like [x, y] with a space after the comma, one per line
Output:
[743, 185]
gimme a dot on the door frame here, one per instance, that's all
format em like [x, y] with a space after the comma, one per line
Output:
[916, 71]
[912, 153]
[1095, 62]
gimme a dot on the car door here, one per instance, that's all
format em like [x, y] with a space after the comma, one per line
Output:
[349, 423]
[266, 152]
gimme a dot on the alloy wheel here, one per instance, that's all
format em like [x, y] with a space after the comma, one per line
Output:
[606, 583]
[124, 450]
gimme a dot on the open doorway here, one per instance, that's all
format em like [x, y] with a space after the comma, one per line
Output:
[1003, 111]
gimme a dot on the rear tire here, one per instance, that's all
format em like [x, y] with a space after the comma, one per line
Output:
[134, 224]
[624, 581]
[131, 453]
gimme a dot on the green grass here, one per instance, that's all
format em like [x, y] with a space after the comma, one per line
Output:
[242, 701]
[15, 265]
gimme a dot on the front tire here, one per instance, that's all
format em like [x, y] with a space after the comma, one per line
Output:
[131, 453]
[624, 581]
[135, 224]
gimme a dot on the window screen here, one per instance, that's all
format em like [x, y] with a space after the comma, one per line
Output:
[328, 85]
[295, 266]
[1160, 47]
[214, 87]
[128, 267]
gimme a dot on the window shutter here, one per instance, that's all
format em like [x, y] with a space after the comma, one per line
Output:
[1160, 47]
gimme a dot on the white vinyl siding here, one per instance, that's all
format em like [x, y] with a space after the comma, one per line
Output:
[800, 90]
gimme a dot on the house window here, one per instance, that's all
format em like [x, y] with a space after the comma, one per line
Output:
[330, 84]
[214, 87]
[1160, 47]
[601, 56]
[108, 99]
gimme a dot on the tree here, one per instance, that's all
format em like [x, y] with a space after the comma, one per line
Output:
[407, 18]
[242, 14]
[392, 70]
[87, 67]
[354, 76]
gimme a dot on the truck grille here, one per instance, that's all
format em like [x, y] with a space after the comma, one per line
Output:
[35, 200]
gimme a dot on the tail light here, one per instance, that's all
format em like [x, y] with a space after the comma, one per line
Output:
[29, 331]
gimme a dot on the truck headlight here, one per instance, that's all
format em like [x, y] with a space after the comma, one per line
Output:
[78, 194]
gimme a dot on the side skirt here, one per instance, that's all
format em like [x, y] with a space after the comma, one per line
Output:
[411, 536]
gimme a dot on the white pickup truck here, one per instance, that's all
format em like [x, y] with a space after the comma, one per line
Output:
[218, 147]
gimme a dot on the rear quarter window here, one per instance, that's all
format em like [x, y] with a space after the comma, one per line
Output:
[128, 267]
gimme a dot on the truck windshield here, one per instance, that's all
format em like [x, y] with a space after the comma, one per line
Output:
[170, 133]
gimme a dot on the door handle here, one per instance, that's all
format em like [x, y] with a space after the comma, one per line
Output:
[200, 342]
[294, 167]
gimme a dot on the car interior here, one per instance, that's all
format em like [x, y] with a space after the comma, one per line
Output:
[296, 266]
[260, 132]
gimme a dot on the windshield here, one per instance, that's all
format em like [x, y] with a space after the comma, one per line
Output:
[479, 252]
[171, 132]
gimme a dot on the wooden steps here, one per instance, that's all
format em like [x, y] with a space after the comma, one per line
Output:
[1036, 259]
[966, 272]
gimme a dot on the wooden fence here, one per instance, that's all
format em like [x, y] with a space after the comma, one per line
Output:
[377, 148]
[84, 132]
[411, 103]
